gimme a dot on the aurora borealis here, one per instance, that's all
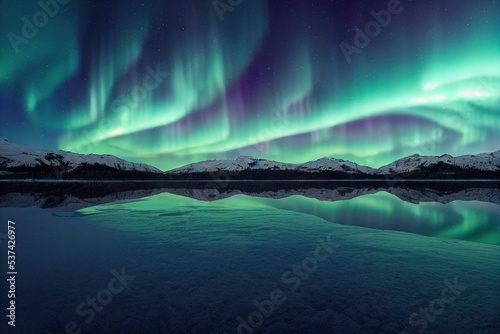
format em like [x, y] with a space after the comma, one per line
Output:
[170, 83]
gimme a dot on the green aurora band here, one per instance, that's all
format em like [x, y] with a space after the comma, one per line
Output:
[262, 82]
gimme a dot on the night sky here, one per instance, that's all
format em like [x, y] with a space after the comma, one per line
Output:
[178, 81]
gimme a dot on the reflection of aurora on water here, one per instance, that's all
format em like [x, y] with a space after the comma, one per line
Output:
[428, 84]
[463, 220]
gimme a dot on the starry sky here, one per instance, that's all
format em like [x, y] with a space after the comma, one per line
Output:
[174, 82]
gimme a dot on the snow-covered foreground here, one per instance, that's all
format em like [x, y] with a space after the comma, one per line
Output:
[168, 264]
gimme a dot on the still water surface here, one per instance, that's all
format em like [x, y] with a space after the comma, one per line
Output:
[174, 264]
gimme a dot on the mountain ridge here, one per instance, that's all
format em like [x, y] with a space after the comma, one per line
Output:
[25, 161]
[20, 161]
[483, 165]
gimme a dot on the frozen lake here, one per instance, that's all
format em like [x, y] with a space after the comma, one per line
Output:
[174, 264]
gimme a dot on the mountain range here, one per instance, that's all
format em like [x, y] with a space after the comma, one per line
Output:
[23, 162]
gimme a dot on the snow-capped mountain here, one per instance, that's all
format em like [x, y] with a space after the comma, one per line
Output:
[16, 158]
[485, 162]
[19, 161]
[468, 166]
[338, 165]
[248, 163]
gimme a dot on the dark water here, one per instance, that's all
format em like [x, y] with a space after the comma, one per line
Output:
[283, 263]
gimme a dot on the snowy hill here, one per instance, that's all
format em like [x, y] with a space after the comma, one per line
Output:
[415, 166]
[21, 159]
[486, 162]
[249, 163]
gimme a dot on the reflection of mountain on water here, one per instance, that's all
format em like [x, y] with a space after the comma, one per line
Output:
[411, 195]
[84, 194]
